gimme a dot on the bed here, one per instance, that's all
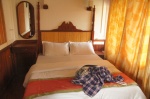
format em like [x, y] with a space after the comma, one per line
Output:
[62, 56]
[63, 53]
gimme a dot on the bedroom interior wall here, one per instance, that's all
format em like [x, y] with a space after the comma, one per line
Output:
[9, 10]
[58, 11]
[65, 10]
[9, 22]
[74, 11]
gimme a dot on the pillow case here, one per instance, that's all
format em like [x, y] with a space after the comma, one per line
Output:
[81, 48]
[55, 49]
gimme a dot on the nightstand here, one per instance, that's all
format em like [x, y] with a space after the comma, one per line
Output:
[100, 54]
[24, 55]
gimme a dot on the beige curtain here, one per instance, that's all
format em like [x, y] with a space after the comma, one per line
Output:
[127, 41]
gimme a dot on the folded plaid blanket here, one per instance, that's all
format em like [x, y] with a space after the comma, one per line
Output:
[92, 78]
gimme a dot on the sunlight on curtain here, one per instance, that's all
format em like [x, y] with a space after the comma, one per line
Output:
[115, 29]
[127, 39]
[146, 79]
[133, 38]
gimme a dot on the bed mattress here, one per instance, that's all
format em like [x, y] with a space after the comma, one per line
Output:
[48, 67]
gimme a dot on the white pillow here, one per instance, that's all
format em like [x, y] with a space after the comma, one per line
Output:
[55, 49]
[81, 48]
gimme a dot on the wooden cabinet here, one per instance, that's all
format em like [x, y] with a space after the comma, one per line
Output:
[6, 68]
[24, 54]
[100, 54]
[99, 48]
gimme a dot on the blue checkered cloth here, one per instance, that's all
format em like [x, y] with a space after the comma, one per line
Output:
[92, 78]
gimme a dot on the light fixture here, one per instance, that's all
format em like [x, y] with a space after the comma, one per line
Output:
[43, 5]
[90, 5]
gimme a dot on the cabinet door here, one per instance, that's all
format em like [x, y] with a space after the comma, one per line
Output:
[24, 61]
[24, 58]
[6, 69]
[24, 55]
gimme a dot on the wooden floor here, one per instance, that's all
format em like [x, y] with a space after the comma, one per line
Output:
[14, 90]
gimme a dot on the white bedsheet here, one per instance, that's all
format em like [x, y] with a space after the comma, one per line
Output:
[49, 59]
[66, 66]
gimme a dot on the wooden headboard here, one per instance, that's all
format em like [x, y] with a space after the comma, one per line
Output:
[64, 33]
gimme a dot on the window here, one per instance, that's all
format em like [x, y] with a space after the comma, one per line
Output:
[101, 16]
[2, 26]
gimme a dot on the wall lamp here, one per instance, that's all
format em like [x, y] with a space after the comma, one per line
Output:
[90, 5]
[43, 5]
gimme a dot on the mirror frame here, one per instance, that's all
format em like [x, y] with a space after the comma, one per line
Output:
[32, 20]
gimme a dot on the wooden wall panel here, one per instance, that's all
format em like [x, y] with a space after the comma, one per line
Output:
[46, 36]
[66, 36]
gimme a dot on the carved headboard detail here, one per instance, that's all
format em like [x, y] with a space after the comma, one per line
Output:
[65, 32]
[66, 27]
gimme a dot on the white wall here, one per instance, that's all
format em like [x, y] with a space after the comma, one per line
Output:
[66, 10]
[9, 22]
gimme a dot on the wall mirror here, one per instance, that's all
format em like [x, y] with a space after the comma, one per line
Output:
[25, 18]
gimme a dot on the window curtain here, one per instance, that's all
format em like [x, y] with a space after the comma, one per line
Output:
[128, 40]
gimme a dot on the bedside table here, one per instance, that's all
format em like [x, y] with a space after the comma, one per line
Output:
[24, 55]
[100, 54]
